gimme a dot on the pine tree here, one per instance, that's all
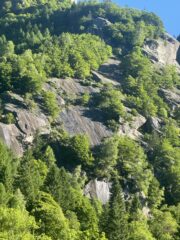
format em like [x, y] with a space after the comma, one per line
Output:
[117, 228]
[135, 208]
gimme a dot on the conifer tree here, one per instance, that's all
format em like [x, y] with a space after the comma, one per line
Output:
[117, 222]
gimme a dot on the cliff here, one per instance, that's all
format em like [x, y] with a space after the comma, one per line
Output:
[77, 119]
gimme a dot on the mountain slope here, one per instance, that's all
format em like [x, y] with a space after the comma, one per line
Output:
[90, 99]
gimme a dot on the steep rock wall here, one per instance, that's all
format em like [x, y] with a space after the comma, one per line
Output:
[163, 51]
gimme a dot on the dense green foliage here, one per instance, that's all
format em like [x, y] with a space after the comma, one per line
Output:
[42, 193]
[64, 56]
[47, 202]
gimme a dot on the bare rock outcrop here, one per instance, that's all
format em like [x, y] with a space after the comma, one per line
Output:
[97, 26]
[78, 120]
[101, 78]
[101, 22]
[171, 96]
[19, 135]
[164, 50]
[29, 123]
[153, 124]
[130, 128]
[74, 119]
[109, 72]
[99, 190]
[68, 86]
[12, 137]
[111, 69]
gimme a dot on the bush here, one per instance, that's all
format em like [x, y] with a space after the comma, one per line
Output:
[51, 104]
[84, 99]
[109, 101]
[9, 118]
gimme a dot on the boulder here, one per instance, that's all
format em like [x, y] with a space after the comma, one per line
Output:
[152, 124]
[99, 190]
[146, 211]
[130, 128]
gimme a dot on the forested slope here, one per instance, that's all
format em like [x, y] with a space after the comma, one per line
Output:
[89, 123]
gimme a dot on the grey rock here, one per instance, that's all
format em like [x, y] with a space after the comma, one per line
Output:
[99, 190]
[101, 22]
[19, 135]
[29, 123]
[164, 50]
[97, 26]
[100, 78]
[110, 69]
[80, 120]
[153, 124]
[75, 119]
[130, 129]
[13, 97]
[12, 137]
[68, 86]
[109, 72]
[61, 101]
[169, 38]
[146, 211]
[171, 96]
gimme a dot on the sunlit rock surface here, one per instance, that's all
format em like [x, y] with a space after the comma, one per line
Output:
[99, 190]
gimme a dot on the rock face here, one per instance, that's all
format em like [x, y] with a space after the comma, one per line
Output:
[99, 190]
[69, 86]
[19, 135]
[108, 72]
[80, 120]
[164, 51]
[101, 78]
[73, 118]
[130, 129]
[152, 124]
[97, 26]
[27, 122]
[76, 119]
[101, 22]
[172, 97]
[12, 137]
